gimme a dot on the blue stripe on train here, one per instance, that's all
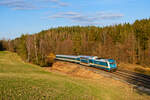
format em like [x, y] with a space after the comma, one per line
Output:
[100, 67]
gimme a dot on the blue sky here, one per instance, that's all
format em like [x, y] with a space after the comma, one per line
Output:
[31, 16]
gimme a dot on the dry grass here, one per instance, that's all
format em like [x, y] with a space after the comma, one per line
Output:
[135, 68]
[74, 70]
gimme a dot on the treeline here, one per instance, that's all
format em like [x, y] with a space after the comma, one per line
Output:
[128, 43]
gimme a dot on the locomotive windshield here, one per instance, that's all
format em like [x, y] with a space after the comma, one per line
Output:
[99, 58]
[112, 62]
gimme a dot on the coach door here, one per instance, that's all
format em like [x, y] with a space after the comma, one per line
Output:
[84, 61]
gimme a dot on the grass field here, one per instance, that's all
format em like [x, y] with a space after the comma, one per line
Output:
[23, 81]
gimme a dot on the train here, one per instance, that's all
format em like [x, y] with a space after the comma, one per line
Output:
[92, 61]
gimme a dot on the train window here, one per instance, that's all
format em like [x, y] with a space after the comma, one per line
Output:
[112, 63]
[96, 62]
[90, 61]
[83, 58]
[99, 58]
[103, 63]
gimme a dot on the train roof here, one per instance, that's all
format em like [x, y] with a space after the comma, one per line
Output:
[89, 57]
[111, 60]
[106, 60]
[67, 56]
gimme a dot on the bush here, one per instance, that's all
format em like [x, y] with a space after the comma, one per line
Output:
[50, 59]
[141, 70]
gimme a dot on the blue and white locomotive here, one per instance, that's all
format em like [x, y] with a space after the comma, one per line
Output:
[93, 61]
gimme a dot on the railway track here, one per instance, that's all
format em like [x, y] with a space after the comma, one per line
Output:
[134, 79]
[138, 81]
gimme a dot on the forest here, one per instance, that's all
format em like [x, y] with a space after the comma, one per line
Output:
[128, 43]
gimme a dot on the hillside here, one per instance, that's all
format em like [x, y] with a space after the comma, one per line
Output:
[19, 80]
[126, 43]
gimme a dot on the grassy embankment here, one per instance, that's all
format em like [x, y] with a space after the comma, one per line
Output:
[19, 80]
[135, 68]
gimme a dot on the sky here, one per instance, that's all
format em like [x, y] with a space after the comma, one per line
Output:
[19, 17]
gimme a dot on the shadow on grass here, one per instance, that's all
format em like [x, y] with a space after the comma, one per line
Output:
[140, 81]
